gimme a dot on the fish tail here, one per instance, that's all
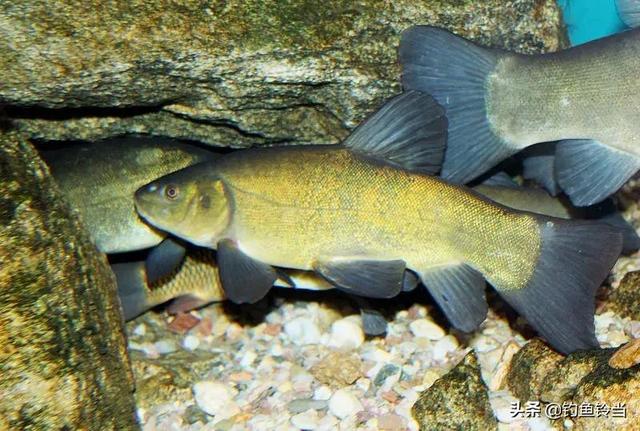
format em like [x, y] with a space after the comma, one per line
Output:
[559, 298]
[455, 72]
[132, 288]
[629, 11]
[630, 238]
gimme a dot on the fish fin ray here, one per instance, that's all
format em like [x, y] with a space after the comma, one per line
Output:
[559, 299]
[629, 11]
[244, 279]
[459, 291]
[500, 179]
[538, 165]
[408, 131]
[630, 238]
[164, 259]
[132, 288]
[409, 281]
[454, 71]
[589, 171]
[368, 278]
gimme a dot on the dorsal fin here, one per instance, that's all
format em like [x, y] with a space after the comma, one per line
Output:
[408, 131]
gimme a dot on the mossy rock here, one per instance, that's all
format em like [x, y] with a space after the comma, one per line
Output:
[457, 401]
[528, 369]
[625, 299]
[63, 361]
[233, 73]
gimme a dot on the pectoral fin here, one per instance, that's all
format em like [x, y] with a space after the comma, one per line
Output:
[459, 291]
[368, 278]
[244, 280]
[164, 259]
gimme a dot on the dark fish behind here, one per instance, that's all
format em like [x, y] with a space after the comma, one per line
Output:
[99, 180]
[499, 103]
[361, 213]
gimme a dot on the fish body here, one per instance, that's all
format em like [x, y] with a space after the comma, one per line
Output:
[499, 103]
[360, 215]
[99, 180]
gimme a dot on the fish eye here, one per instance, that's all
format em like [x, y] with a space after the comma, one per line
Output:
[171, 192]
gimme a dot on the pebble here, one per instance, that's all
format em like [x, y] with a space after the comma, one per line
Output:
[391, 422]
[626, 356]
[140, 330]
[191, 342]
[444, 346]
[501, 404]
[302, 405]
[344, 404]
[308, 420]
[346, 334]
[426, 329]
[388, 370]
[215, 399]
[322, 392]
[302, 331]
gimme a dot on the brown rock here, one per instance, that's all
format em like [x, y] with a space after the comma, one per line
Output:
[338, 369]
[627, 355]
[63, 361]
[625, 299]
[528, 369]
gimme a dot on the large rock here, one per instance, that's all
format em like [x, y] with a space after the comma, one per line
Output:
[596, 395]
[232, 73]
[457, 401]
[63, 361]
[625, 299]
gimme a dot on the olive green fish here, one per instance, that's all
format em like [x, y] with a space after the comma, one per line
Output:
[361, 213]
[499, 103]
[502, 189]
[196, 282]
[99, 180]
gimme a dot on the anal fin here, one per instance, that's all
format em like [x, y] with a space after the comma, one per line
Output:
[244, 279]
[459, 290]
[589, 171]
[368, 278]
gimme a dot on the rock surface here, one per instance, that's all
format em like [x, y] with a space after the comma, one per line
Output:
[236, 73]
[458, 400]
[607, 397]
[528, 369]
[625, 299]
[63, 362]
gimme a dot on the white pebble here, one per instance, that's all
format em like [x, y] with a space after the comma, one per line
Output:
[501, 402]
[346, 334]
[191, 342]
[165, 346]
[140, 330]
[248, 358]
[444, 346]
[426, 329]
[540, 424]
[306, 420]
[344, 404]
[322, 393]
[215, 399]
[302, 331]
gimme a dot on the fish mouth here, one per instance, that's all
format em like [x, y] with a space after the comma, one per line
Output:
[143, 199]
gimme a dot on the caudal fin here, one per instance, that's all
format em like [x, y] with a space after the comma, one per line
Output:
[559, 300]
[132, 288]
[455, 71]
[629, 11]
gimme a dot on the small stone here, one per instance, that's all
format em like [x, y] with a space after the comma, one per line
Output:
[182, 323]
[215, 399]
[626, 356]
[165, 346]
[501, 402]
[430, 376]
[248, 359]
[302, 331]
[386, 371]
[338, 369]
[426, 329]
[307, 420]
[140, 330]
[391, 422]
[346, 334]
[302, 405]
[445, 346]
[344, 404]
[322, 392]
[190, 342]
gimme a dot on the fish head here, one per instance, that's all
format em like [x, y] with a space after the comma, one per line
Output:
[191, 204]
